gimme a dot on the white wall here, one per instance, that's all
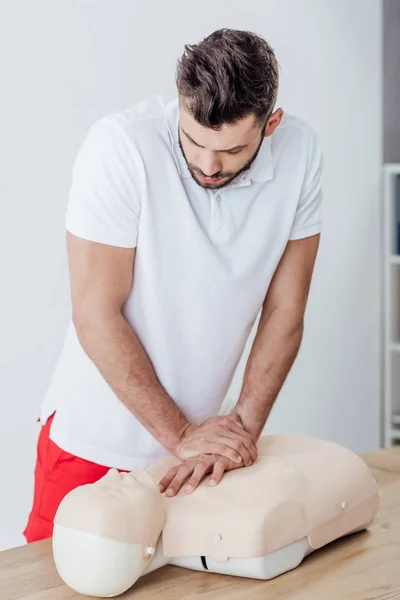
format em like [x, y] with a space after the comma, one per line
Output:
[63, 65]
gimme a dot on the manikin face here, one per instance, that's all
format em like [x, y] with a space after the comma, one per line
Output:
[215, 158]
[125, 486]
[122, 506]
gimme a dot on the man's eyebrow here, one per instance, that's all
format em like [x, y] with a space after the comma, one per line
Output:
[198, 145]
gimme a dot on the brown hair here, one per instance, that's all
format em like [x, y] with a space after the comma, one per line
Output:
[227, 76]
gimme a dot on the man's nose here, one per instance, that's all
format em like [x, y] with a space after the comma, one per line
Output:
[210, 164]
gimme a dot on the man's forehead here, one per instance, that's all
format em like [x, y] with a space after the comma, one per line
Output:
[241, 133]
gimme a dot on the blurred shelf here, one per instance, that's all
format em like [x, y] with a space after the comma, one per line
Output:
[396, 419]
[391, 304]
[392, 168]
[395, 434]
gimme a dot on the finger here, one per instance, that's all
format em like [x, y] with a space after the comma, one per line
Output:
[181, 476]
[235, 418]
[223, 446]
[166, 480]
[229, 424]
[245, 437]
[199, 473]
[215, 446]
[251, 446]
[240, 448]
[238, 429]
[217, 474]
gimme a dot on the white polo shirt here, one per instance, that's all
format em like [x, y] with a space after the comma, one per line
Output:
[204, 261]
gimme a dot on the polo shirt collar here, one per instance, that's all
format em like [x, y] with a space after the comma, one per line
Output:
[261, 169]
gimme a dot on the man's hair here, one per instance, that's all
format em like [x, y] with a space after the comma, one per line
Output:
[228, 76]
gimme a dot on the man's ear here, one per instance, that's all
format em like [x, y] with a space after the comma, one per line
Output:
[273, 122]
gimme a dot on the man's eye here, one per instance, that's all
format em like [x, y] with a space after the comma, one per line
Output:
[235, 152]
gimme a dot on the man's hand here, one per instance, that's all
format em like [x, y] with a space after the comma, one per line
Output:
[193, 471]
[222, 435]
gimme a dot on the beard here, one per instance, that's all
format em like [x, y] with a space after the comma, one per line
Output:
[221, 179]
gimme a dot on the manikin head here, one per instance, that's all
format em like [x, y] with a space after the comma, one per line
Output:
[227, 87]
[109, 531]
[105, 533]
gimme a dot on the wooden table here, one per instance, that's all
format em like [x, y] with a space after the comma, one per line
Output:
[364, 566]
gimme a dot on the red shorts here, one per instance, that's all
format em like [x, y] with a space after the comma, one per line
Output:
[56, 473]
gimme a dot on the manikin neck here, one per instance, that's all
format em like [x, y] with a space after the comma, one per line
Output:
[158, 561]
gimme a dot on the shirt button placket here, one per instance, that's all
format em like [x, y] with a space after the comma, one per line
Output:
[218, 220]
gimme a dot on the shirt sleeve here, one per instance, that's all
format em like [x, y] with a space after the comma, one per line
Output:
[308, 218]
[104, 195]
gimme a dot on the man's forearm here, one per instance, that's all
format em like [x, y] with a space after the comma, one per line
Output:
[111, 344]
[272, 355]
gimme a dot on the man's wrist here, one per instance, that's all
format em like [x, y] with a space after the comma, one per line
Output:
[173, 438]
[237, 417]
[251, 425]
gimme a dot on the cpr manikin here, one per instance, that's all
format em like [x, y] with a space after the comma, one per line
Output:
[259, 521]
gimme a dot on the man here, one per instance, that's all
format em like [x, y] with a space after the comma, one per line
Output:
[184, 220]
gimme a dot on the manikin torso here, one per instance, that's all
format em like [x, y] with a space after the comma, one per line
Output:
[260, 521]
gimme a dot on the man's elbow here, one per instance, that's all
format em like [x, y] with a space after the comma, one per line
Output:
[90, 322]
[84, 321]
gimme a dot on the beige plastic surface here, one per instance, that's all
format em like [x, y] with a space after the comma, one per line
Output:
[298, 487]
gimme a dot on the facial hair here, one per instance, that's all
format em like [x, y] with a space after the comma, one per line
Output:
[231, 176]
